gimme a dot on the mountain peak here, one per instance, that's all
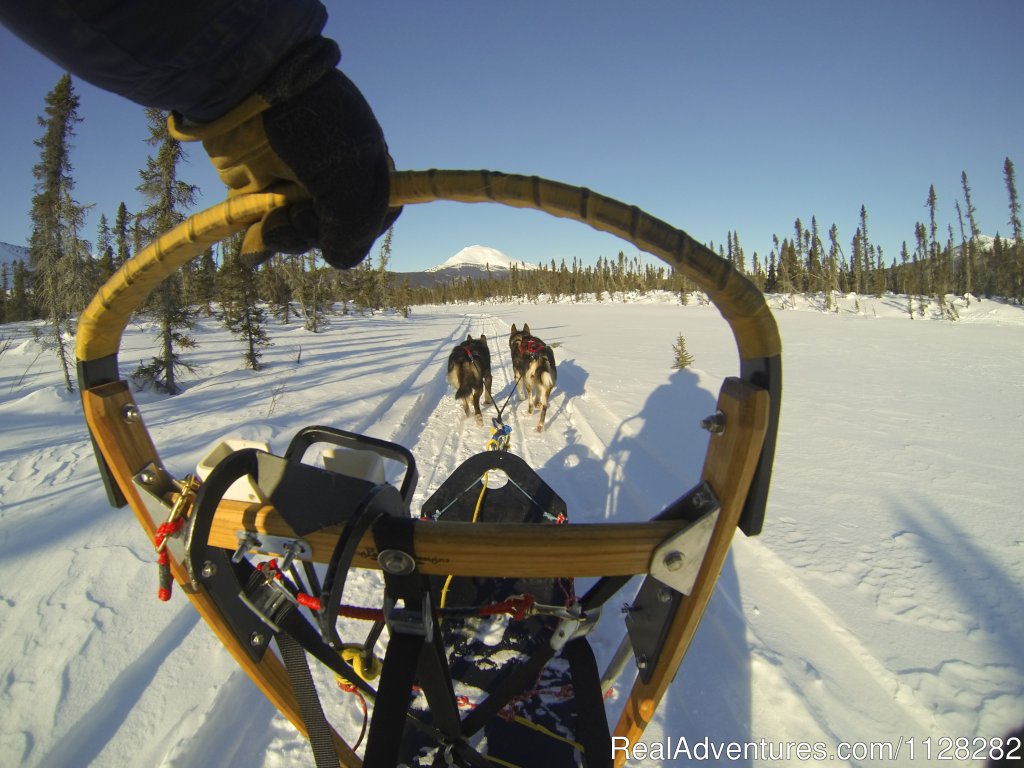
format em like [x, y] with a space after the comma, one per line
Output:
[481, 257]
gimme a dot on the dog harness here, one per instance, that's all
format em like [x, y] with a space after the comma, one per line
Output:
[531, 346]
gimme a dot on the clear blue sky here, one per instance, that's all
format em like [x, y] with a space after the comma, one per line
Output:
[714, 116]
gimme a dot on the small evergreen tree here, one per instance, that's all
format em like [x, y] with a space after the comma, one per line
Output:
[970, 253]
[18, 305]
[122, 247]
[275, 288]
[104, 253]
[4, 287]
[242, 313]
[309, 286]
[681, 358]
[200, 282]
[168, 197]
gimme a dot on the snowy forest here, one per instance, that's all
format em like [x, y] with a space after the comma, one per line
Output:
[64, 268]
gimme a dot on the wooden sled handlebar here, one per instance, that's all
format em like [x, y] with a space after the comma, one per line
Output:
[737, 466]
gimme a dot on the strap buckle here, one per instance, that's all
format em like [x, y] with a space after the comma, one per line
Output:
[401, 619]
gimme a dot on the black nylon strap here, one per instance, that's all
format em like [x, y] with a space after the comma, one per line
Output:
[397, 676]
[321, 737]
[341, 561]
[413, 655]
[591, 721]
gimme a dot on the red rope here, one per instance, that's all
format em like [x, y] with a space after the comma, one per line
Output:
[349, 688]
[163, 559]
[518, 607]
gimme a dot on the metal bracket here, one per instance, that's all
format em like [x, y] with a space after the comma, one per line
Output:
[290, 548]
[677, 560]
[155, 484]
[673, 571]
[573, 627]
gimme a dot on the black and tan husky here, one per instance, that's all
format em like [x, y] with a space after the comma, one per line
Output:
[469, 371]
[533, 362]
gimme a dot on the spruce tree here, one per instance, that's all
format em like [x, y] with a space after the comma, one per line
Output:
[932, 204]
[832, 263]
[309, 286]
[241, 310]
[58, 256]
[857, 263]
[1015, 286]
[275, 288]
[104, 252]
[200, 282]
[5, 284]
[122, 248]
[796, 265]
[1011, 189]
[378, 281]
[18, 305]
[815, 281]
[168, 198]
[681, 358]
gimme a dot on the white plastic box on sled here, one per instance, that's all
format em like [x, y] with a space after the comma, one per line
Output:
[352, 462]
[243, 489]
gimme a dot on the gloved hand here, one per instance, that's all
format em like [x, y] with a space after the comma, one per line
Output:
[309, 134]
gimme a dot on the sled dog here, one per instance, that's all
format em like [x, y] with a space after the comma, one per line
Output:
[469, 371]
[533, 363]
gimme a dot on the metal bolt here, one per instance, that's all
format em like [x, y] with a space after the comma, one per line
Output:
[147, 477]
[673, 561]
[256, 639]
[130, 413]
[396, 562]
[700, 499]
[209, 569]
[641, 662]
[664, 595]
[715, 423]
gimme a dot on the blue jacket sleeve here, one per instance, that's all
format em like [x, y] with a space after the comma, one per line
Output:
[196, 57]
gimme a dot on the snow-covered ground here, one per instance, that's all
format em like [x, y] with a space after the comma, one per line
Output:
[882, 602]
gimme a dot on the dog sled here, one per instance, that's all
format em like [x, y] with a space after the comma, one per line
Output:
[487, 660]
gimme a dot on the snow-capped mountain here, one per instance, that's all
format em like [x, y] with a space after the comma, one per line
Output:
[9, 253]
[480, 257]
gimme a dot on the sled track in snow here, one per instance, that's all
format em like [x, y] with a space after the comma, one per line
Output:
[425, 381]
[437, 432]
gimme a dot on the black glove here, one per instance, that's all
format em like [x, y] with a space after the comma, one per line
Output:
[309, 134]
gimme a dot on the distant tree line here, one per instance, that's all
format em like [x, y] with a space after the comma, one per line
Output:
[64, 270]
[958, 261]
[607, 280]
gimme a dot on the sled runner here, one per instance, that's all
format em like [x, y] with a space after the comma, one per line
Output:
[486, 655]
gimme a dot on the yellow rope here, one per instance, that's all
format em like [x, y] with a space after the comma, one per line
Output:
[476, 514]
[541, 729]
[499, 761]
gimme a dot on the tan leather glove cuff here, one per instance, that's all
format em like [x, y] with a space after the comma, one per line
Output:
[240, 151]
